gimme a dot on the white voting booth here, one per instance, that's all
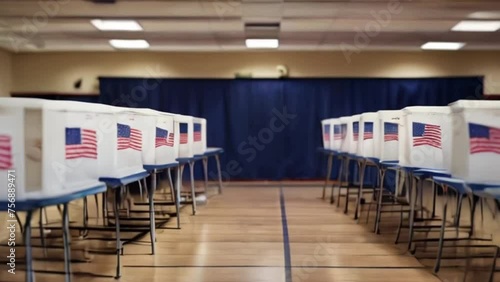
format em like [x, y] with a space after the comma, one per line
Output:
[425, 137]
[336, 134]
[355, 135]
[326, 130]
[388, 148]
[53, 146]
[184, 129]
[346, 133]
[159, 147]
[199, 136]
[476, 141]
[369, 135]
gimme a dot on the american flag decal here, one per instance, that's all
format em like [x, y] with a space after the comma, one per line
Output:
[355, 130]
[326, 132]
[161, 137]
[81, 143]
[170, 140]
[183, 133]
[197, 132]
[5, 152]
[343, 130]
[484, 139]
[368, 131]
[426, 134]
[337, 132]
[390, 131]
[129, 138]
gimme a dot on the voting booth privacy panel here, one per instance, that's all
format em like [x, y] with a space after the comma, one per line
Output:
[476, 141]
[425, 137]
[388, 132]
[52, 146]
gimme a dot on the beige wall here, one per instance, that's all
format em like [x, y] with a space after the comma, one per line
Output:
[56, 72]
[5, 73]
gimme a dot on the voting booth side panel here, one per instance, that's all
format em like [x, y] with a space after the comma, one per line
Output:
[12, 154]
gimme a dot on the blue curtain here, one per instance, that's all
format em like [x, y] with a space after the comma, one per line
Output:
[270, 128]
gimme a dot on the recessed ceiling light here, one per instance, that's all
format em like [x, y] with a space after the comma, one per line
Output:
[485, 15]
[443, 45]
[262, 43]
[477, 26]
[129, 44]
[117, 25]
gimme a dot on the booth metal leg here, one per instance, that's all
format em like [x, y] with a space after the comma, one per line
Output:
[219, 172]
[328, 174]
[204, 162]
[437, 264]
[30, 273]
[152, 224]
[357, 212]
[193, 195]
[346, 208]
[413, 202]
[341, 172]
[379, 201]
[104, 208]
[67, 244]
[117, 200]
[178, 184]
[42, 233]
[171, 184]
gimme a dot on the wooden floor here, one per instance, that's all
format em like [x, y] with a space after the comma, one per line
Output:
[252, 233]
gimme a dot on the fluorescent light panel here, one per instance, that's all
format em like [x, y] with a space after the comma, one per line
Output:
[129, 44]
[262, 43]
[443, 45]
[117, 25]
[477, 26]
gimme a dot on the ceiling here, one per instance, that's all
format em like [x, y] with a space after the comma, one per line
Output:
[202, 25]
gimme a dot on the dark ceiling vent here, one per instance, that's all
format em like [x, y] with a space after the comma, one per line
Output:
[263, 25]
[104, 1]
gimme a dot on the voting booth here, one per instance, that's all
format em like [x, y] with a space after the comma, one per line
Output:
[159, 145]
[388, 136]
[346, 133]
[184, 129]
[369, 135]
[326, 130]
[336, 134]
[52, 147]
[355, 134]
[199, 136]
[476, 141]
[425, 137]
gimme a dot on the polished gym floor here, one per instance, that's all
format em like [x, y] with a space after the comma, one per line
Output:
[252, 232]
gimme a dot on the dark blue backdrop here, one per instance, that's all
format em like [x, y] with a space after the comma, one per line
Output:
[270, 128]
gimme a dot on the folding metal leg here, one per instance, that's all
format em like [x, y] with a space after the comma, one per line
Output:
[437, 264]
[341, 174]
[42, 233]
[205, 173]
[152, 224]
[171, 184]
[178, 181]
[357, 212]
[193, 195]
[140, 189]
[414, 192]
[30, 273]
[219, 173]
[117, 226]
[346, 208]
[328, 174]
[104, 208]
[379, 201]
[67, 244]
[494, 266]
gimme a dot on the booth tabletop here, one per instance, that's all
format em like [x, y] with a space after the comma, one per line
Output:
[424, 172]
[455, 183]
[115, 182]
[52, 201]
[160, 167]
[212, 151]
[188, 160]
